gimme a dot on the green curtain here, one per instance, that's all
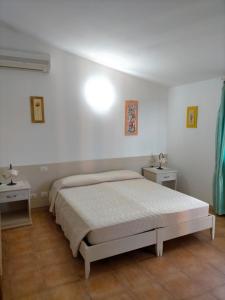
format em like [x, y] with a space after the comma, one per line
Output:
[219, 177]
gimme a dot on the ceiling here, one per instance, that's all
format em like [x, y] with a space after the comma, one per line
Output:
[168, 41]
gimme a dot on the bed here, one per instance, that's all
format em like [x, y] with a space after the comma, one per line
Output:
[113, 212]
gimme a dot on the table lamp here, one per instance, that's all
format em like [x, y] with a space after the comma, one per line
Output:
[11, 174]
[162, 160]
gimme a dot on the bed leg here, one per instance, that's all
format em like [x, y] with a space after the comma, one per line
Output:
[212, 230]
[87, 269]
[159, 248]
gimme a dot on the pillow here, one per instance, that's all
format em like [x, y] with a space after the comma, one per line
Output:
[117, 175]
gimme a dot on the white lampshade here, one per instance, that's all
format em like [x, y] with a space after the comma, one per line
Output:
[10, 174]
[13, 172]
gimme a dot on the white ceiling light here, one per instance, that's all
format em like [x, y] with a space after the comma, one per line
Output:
[99, 94]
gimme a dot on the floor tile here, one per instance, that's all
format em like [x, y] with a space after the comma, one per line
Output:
[218, 263]
[59, 274]
[72, 291]
[133, 275]
[18, 233]
[52, 257]
[219, 243]
[38, 265]
[181, 258]
[25, 284]
[35, 296]
[202, 250]
[153, 291]
[21, 264]
[6, 289]
[19, 248]
[219, 292]
[155, 265]
[101, 286]
[46, 243]
[120, 296]
[181, 286]
[206, 296]
[205, 275]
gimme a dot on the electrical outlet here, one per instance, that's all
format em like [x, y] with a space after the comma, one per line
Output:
[44, 194]
[43, 168]
[33, 195]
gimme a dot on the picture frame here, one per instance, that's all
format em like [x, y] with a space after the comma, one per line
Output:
[37, 109]
[192, 117]
[131, 117]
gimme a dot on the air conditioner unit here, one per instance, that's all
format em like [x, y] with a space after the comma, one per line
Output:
[24, 60]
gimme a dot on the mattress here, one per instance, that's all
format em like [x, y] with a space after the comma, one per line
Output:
[113, 210]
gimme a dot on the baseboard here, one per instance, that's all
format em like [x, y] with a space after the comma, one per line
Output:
[40, 202]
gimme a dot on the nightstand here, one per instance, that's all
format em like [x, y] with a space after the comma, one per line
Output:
[166, 176]
[15, 205]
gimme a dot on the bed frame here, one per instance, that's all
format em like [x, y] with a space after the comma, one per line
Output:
[111, 248]
[154, 237]
[180, 229]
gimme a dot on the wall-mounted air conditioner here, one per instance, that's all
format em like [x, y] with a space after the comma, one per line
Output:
[24, 60]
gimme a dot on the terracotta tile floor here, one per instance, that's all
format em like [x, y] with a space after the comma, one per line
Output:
[38, 264]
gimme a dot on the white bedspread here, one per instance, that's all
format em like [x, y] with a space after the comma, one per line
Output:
[88, 179]
[81, 210]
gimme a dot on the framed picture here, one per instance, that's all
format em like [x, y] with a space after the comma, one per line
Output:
[37, 109]
[131, 117]
[192, 117]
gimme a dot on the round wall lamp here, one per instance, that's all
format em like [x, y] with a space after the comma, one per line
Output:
[99, 94]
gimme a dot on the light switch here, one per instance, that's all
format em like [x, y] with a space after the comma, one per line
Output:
[33, 195]
[44, 168]
[44, 194]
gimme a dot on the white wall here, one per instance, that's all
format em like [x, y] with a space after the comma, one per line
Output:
[192, 151]
[72, 130]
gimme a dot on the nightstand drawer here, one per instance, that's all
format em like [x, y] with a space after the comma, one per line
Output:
[14, 196]
[167, 176]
